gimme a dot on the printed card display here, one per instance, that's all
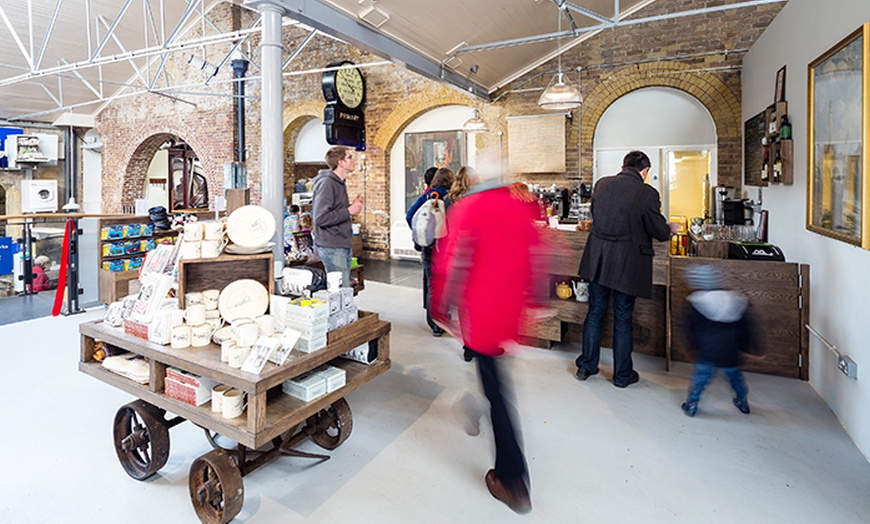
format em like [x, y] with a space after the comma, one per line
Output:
[288, 340]
[259, 354]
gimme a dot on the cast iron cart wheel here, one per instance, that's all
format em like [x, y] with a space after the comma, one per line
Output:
[216, 488]
[141, 439]
[331, 426]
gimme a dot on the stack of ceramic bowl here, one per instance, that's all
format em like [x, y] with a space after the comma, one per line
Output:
[243, 304]
[250, 229]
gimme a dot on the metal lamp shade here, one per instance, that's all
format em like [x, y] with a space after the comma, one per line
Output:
[560, 94]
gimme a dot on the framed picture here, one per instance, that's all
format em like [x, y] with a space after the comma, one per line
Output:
[837, 158]
[779, 92]
[431, 149]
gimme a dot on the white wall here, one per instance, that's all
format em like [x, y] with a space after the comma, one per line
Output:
[448, 118]
[158, 195]
[840, 282]
[311, 145]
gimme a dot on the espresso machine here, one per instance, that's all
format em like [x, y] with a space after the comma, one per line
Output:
[721, 195]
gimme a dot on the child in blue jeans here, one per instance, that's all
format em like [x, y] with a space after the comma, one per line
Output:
[719, 330]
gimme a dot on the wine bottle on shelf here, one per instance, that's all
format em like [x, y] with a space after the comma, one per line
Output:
[764, 175]
[777, 167]
[785, 128]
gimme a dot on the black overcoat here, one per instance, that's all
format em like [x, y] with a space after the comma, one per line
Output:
[626, 217]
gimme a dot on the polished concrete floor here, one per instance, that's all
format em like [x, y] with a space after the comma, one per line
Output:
[596, 453]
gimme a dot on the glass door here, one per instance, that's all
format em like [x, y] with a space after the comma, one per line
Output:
[689, 178]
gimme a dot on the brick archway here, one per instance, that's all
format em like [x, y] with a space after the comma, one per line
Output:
[720, 101]
[295, 118]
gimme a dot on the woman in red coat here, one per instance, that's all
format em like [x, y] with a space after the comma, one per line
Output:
[484, 267]
[41, 281]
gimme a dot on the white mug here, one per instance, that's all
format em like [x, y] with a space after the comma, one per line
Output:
[210, 298]
[193, 298]
[193, 231]
[200, 335]
[238, 355]
[226, 348]
[217, 396]
[233, 403]
[212, 314]
[195, 314]
[212, 248]
[246, 334]
[213, 230]
[333, 281]
[191, 249]
[266, 325]
[179, 337]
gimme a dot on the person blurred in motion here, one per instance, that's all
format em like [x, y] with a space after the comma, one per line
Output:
[333, 212]
[617, 261]
[719, 332]
[484, 269]
[465, 178]
[440, 185]
[41, 282]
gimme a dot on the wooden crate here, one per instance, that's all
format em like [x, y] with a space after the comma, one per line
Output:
[216, 273]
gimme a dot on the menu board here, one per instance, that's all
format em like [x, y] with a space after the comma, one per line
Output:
[536, 144]
[753, 152]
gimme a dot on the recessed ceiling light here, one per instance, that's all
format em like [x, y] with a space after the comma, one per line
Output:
[374, 15]
[453, 62]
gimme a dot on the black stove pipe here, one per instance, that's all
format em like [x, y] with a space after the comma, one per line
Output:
[240, 67]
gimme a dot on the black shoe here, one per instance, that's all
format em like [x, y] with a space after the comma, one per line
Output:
[467, 355]
[437, 332]
[741, 405]
[583, 373]
[631, 380]
[690, 408]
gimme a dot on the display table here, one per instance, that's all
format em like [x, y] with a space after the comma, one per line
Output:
[270, 428]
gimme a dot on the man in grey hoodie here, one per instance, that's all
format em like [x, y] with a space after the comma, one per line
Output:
[332, 212]
[719, 333]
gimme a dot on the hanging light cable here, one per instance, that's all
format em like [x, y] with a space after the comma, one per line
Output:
[560, 93]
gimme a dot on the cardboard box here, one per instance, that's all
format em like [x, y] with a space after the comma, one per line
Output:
[187, 393]
[335, 377]
[334, 299]
[346, 297]
[310, 345]
[306, 311]
[305, 387]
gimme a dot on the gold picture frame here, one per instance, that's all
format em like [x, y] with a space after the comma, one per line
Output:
[838, 163]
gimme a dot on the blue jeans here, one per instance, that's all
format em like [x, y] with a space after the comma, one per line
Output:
[703, 373]
[337, 259]
[623, 307]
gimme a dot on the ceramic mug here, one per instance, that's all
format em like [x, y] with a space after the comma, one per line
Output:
[200, 335]
[195, 314]
[217, 396]
[193, 298]
[266, 325]
[191, 249]
[233, 403]
[210, 298]
[212, 248]
[193, 231]
[179, 337]
[212, 230]
[226, 347]
[237, 355]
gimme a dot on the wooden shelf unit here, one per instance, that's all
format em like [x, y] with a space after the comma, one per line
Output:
[270, 412]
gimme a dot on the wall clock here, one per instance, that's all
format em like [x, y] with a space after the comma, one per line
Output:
[345, 86]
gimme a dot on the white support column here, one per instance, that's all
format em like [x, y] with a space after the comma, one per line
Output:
[272, 122]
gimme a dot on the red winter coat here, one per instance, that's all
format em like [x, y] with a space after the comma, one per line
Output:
[484, 265]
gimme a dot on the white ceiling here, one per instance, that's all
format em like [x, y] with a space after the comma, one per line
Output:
[435, 31]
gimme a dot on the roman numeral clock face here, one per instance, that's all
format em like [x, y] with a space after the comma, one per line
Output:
[350, 87]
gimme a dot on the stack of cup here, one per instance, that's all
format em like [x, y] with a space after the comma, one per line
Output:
[213, 241]
[191, 245]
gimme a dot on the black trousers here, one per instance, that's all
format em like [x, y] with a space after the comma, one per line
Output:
[510, 464]
[426, 258]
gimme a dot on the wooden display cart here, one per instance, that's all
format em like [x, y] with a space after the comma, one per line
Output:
[273, 424]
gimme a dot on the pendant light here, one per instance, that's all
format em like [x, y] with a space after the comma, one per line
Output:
[475, 124]
[560, 93]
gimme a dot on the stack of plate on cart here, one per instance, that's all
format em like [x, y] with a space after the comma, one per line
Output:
[250, 229]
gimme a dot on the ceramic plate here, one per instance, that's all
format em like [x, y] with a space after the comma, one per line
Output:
[222, 335]
[243, 298]
[250, 226]
[233, 249]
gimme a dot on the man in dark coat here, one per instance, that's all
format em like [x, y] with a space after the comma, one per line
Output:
[617, 260]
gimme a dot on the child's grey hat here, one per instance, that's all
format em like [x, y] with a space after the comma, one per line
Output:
[704, 278]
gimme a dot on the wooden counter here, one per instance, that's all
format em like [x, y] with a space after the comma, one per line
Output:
[778, 293]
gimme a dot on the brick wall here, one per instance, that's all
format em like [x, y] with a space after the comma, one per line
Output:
[130, 127]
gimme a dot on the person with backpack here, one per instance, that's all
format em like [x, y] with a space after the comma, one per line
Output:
[441, 183]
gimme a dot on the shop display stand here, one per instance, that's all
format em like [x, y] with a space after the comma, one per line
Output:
[272, 425]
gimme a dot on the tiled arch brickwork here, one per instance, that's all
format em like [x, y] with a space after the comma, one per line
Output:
[719, 100]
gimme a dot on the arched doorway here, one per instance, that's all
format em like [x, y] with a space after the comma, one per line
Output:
[679, 135]
[428, 139]
[174, 176]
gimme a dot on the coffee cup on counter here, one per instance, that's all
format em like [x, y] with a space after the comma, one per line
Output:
[233, 403]
[193, 231]
[195, 314]
[212, 230]
[179, 337]
[191, 249]
[200, 335]
[237, 355]
[217, 396]
[210, 298]
[212, 248]
[193, 298]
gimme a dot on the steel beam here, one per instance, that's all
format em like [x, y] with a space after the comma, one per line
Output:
[513, 42]
[112, 29]
[298, 49]
[48, 32]
[332, 22]
[15, 37]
